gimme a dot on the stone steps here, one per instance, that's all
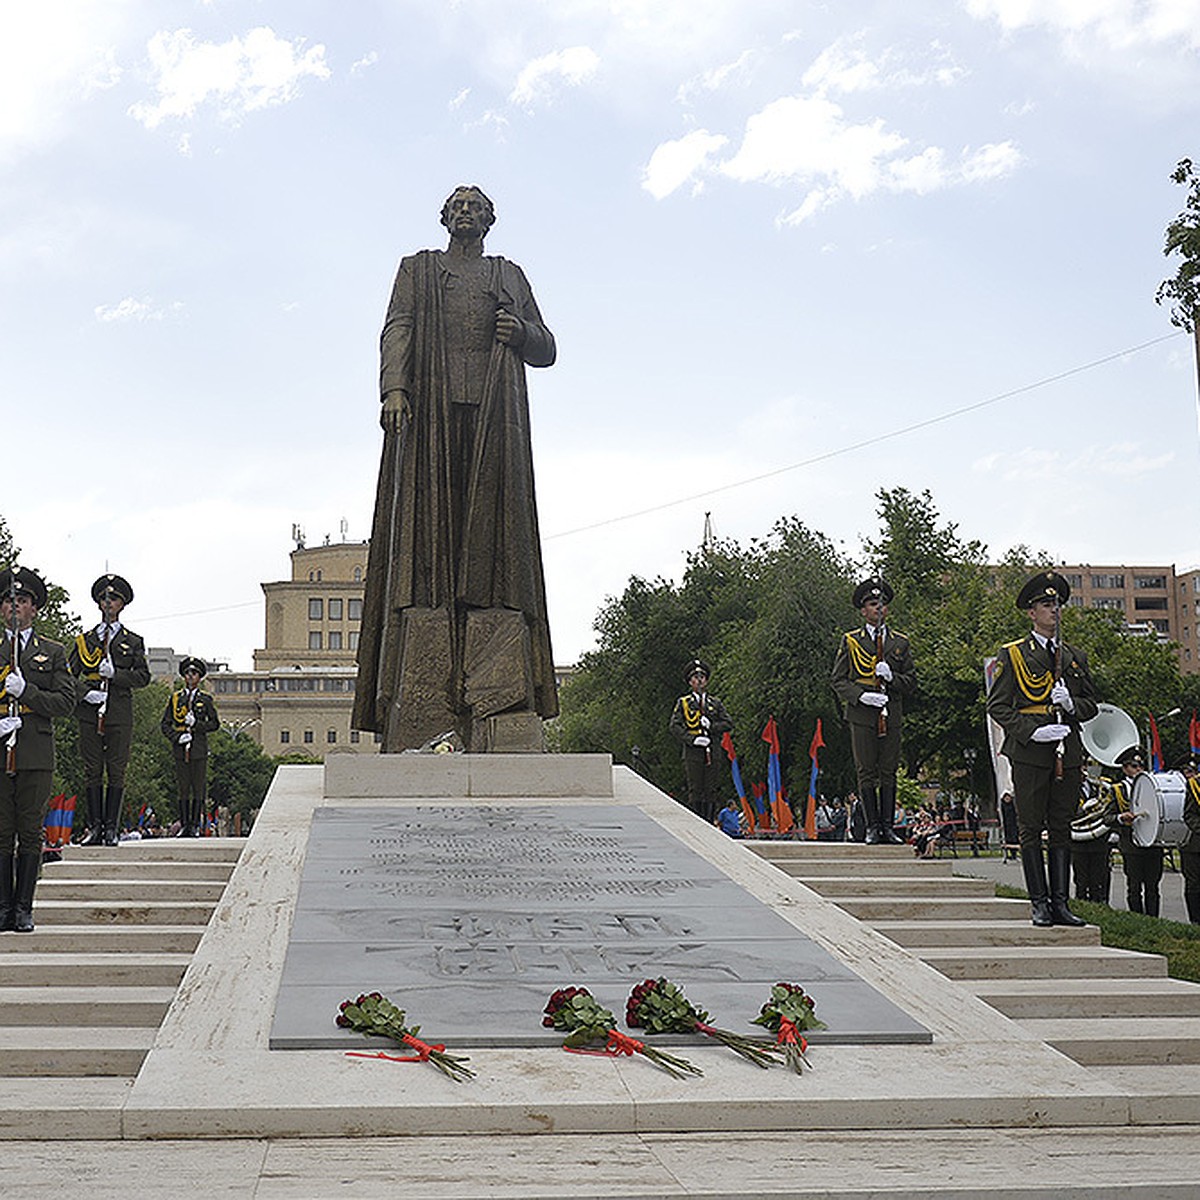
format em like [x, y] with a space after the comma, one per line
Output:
[1085, 998]
[1042, 962]
[1121, 1041]
[897, 886]
[82, 997]
[916, 935]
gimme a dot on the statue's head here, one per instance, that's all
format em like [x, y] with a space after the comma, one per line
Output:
[468, 212]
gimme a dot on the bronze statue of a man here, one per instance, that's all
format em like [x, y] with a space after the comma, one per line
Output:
[454, 632]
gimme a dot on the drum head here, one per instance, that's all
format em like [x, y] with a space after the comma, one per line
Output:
[1147, 809]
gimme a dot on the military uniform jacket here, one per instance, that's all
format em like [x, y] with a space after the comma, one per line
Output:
[685, 721]
[1020, 701]
[1191, 815]
[205, 709]
[854, 673]
[128, 654]
[49, 692]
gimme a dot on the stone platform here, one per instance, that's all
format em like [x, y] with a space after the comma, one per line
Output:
[212, 1073]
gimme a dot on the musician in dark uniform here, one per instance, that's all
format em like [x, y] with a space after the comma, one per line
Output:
[188, 719]
[873, 673]
[37, 686]
[1189, 852]
[108, 662]
[698, 722]
[1091, 854]
[1041, 694]
[1143, 865]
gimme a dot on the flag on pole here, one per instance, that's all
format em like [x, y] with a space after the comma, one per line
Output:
[736, 772]
[762, 814]
[810, 814]
[1156, 756]
[780, 809]
[1194, 734]
[60, 820]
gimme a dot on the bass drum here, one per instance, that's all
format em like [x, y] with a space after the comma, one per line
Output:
[1157, 804]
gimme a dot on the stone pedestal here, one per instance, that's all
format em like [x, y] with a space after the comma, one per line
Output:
[509, 733]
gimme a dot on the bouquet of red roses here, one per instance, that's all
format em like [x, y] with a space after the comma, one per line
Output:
[375, 1016]
[658, 1006]
[576, 1011]
[785, 1014]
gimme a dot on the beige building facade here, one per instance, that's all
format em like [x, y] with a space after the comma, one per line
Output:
[299, 697]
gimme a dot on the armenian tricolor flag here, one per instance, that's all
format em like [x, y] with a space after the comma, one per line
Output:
[736, 771]
[810, 813]
[780, 809]
[60, 820]
[1156, 754]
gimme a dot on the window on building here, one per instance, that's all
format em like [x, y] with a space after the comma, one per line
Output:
[357, 575]
[355, 735]
[316, 609]
[335, 610]
[378, 738]
[1114, 602]
[1108, 582]
[314, 639]
[1076, 581]
[1075, 602]
[353, 640]
[1150, 581]
[1151, 603]
[1160, 625]
[354, 609]
[331, 736]
[335, 639]
[285, 736]
[308, 737]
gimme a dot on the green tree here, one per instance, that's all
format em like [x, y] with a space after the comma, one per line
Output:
[1182, 290]
[239, 774]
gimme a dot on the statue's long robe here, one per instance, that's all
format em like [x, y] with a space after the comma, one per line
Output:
[455, 524]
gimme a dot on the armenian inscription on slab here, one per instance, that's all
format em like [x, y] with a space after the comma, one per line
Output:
[470, 917]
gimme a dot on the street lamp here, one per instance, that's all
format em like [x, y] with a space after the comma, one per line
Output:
[236, 727]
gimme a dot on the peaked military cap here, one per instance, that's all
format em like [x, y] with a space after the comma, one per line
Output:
[697, 667]
[112, 585]
[1131, 756]
[27, 583]
[1043, 585]
[873, 589]
[192, 663]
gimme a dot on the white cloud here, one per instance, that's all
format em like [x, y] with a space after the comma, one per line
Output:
[368, 60]
[131, 309]
[718, 77]
[673, 163]
[845, 67]
[460, 99]
[1031, 463]
[240, 75]
[539, 78]
[1116, 24]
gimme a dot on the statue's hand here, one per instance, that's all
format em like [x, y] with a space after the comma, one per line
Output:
[395, 409]
[509, 329]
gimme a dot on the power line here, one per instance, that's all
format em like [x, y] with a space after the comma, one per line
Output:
[199, 612]
[865, 442]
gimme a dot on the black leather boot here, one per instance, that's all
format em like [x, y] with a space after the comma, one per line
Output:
[95, 810]
[1060, 887]
[870, 803]
[887, 815]
[27, 876]
[7, 895]
[1034, 867]
[112, 815]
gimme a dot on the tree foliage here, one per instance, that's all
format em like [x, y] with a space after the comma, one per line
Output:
[1182, 290]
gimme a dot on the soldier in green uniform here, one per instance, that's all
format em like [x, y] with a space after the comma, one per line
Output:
[37, 687]
[108, 661]
[872, 674]
[188, 719]
[1041, 694]
[697, 723]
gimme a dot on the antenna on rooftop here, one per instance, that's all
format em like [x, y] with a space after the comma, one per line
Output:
[706, 542]
[343, 526]
[298, 536]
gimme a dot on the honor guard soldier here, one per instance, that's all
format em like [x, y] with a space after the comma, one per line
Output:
[37, 686]
[1189, 852]
[698, 723]
[1041, 694]
[108, 662]
[188, 719]
[872, 674]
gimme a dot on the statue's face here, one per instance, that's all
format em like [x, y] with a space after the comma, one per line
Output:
[467, 214]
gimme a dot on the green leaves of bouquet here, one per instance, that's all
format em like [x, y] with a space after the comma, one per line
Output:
[786, 1014]
[373, 1015]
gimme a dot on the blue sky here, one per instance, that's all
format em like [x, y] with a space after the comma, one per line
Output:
[763, 233]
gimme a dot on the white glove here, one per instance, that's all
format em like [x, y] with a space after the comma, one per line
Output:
[703, 742]
[8, 724]
[1050, 733]
[107, 670]
[1060, 696]
[14, 683]
[704, 722]
[874, 699]
[96, 696]
[185, 739]
[884, 672]
[189, 719]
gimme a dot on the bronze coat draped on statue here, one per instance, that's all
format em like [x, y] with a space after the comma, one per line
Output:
[454, 622]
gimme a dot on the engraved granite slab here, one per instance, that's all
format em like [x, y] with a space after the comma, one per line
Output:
[469, 917]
